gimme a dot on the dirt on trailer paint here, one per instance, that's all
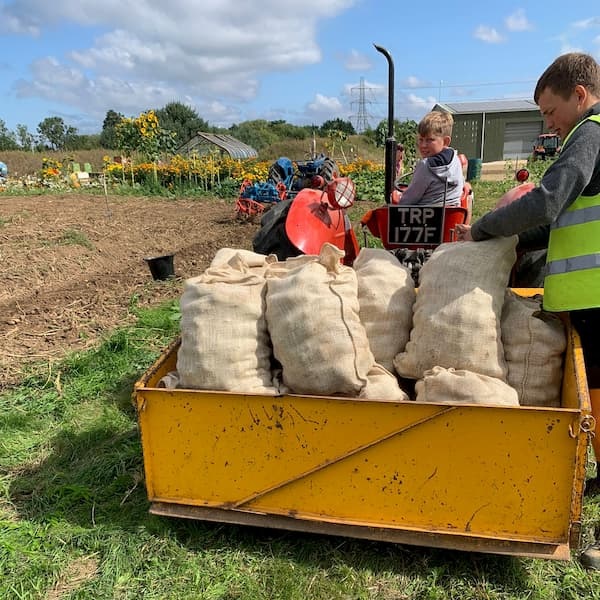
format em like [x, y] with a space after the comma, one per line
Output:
[73, 264]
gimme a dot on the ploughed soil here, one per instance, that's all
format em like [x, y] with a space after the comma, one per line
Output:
[71, 266]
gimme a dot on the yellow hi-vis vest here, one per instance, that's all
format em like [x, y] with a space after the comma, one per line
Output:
[572, 279]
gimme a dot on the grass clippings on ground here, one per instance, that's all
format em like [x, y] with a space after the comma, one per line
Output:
[74, 519]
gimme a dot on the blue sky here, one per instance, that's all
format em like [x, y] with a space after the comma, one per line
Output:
[237, 60]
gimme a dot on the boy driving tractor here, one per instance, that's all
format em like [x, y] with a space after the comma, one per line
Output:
[438, 176]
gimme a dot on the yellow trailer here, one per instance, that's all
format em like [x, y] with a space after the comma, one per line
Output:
[506, 480]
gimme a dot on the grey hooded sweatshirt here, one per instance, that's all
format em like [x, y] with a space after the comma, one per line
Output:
[428, 182]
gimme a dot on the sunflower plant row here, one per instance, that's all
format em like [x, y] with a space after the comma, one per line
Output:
[211, 171]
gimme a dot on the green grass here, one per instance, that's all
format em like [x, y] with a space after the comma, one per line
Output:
[75, 237]
[486, 194]
[74, 512]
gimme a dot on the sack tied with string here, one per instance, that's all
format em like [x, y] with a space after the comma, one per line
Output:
[312, 316]
[457, 385]
[252, 259]
[456, 316]
[224, 338]
[534, 345]
[386, 294]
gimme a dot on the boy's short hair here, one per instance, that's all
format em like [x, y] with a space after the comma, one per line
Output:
[567, 71]
[436, 123]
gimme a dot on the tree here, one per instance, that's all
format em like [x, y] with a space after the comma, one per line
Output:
[108, 137]
[71, 139]
[26, 140]
[404, 132]
[181, 120]
[7, 138]
[258, 134]
[83, 142]
[337, 125]
[55, 133]
[285, 130]
[144, 135]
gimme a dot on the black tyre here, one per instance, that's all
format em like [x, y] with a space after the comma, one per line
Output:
[271, 237]
[276, 174]
[329, 171]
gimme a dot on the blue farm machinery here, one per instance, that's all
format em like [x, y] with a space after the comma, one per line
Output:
[286, 178]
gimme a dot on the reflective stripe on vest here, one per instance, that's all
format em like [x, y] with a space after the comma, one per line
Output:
[577, 263]
[578, 217]
[573, 266]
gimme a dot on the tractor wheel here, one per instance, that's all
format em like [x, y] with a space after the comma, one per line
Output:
[329, 171]
[271, 238]
[275, 174]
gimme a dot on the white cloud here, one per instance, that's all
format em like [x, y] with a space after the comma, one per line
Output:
[579, 36]
[357, 61]
[420, 102]
[56, 82]
[587, 23]
[12, 24]
[487, 34]
[414, 82]
[150, 52]
[412, 106]
[329, 107]
[566, 45]
[517, 21]
[461, 92]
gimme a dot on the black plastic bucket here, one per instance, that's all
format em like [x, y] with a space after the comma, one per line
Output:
[161, 267]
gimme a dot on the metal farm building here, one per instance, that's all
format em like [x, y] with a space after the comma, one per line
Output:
[494, 130]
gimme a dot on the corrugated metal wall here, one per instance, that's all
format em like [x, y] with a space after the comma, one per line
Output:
[467, 133]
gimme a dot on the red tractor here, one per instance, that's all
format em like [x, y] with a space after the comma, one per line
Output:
[411, 232]
[302, 224]
[547, 144]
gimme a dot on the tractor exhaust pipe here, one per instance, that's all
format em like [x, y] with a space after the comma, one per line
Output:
[390, 141]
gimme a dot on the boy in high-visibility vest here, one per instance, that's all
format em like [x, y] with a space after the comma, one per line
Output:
[563, 213]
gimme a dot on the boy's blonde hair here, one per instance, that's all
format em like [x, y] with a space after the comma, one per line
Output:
[567, 71]
[436, 123]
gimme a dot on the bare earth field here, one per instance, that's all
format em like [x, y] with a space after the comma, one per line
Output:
[71, 265]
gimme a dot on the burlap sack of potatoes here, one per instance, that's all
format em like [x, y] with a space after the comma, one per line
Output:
[457, 385]
[386, 294]
[534, 346]
[252, 259]
[383, 386]
[456, 316]
[312, 317]
[224, 338]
